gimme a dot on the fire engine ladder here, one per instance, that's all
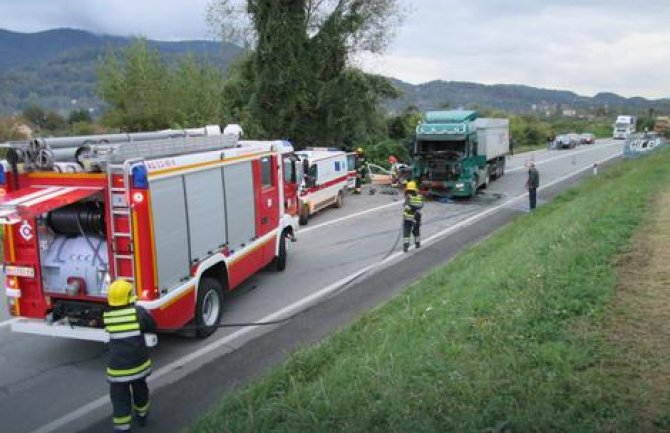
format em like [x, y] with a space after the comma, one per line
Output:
[117, 153]
[122, 233]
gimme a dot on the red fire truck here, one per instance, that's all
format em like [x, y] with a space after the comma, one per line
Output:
[186, 217]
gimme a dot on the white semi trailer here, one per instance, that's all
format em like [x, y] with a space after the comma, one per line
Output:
[624, 126]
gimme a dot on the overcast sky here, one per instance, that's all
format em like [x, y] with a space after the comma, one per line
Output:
[586, 46]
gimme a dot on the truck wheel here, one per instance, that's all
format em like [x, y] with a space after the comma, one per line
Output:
[340, 200]
[502, 168]
[303, 218]
[280, 259]
[473, 188]
[209, 307]
[487, 180]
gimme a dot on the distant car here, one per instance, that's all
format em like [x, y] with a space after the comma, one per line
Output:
[587, 138]
[566, 141]
[574, 138]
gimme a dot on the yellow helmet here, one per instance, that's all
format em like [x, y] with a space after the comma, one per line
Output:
[120, 293]
[359, 150]
[411, 186]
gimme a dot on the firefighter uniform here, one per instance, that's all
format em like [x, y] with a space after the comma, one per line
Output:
[361, 167]
[412, 216]
[129, 363]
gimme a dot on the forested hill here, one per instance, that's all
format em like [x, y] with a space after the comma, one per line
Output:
[56, 67]
[57, 70]
[518, 98]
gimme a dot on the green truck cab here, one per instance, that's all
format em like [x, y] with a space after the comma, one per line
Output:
[457, 152]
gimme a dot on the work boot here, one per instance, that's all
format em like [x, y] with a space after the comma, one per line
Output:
[405, 247]
[417, 244]
[141, 419]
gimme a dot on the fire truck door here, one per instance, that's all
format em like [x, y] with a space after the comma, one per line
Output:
[267, 217]
[291, 182]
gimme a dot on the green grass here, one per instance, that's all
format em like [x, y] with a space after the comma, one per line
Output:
[504, 336]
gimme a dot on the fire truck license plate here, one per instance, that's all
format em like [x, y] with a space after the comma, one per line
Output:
[19, 271]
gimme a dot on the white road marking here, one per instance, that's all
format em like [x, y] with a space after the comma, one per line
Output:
[564, 155]
[353, 215]
[8, 322]
[57, 424]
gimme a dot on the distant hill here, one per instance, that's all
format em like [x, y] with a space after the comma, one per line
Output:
[57, 67]
[517, 98]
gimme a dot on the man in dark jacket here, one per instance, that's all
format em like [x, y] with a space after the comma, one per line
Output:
[532, 184]
[129, 364]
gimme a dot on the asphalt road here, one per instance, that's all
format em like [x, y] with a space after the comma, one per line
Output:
[58, 385]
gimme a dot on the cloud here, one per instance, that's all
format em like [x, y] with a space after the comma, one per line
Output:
[585, 46]
[156, 19]
[570, 44]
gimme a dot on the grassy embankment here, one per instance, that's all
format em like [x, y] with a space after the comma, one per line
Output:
[512, 335]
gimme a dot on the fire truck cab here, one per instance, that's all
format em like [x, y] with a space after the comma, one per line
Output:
[185, 218]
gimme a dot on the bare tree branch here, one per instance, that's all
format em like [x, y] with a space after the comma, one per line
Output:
[365, 25]
[230, 21]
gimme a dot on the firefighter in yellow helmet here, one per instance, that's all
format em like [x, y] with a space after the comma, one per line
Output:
[412, 216]
[361, 169]
[129, 364]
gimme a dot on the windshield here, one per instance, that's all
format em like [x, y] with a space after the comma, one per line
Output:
[448, 149]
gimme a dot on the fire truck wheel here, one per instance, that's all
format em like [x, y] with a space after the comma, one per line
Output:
[209, 307]
[340, 200]
[303, 218]
[280, 260]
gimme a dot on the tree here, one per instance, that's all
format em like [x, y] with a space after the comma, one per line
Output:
[135, 85]
[34, 114]
[362, 24]
[8, 130]
[195, 90]
[403, 125]
[145, 94]
[79, 115]
[297, 78]
[54, 121]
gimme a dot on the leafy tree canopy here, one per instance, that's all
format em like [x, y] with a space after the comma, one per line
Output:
[296, 81]
[145, 94]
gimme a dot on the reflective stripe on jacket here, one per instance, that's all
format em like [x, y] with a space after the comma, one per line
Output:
[128, 353]
[416, 201]
[408, 213]
[413, 205]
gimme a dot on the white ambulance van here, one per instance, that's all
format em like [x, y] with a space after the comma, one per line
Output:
[325, 179]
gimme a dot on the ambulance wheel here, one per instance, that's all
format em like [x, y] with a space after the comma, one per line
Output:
[280, 259]
[209, 307]
[340, 200]
[303, 218]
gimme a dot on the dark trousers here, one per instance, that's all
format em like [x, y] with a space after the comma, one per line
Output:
[532, 196]
[127, 396]
[411, 228]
